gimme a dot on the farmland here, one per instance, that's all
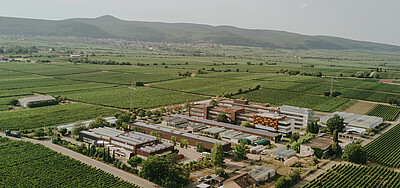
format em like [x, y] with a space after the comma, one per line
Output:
[360, 108]
[119, 97]
[385, 149]
[348, 175]
[388, 113]
[50, 115]
[38, 166]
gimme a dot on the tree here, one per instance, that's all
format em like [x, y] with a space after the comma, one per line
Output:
[220, 172]
[38, 133]
[163, 171]
[13, 102]
[240, 91]
[184, 143]
[98, 122]
[78, 128]
[213, 102]
[336, 149]
[246, 124]
[199, 147]
[313, 127]
[241, 151]
[327, 93]
[156, 134]
[335, 136]
[294, 137]
[336, 93]
[149, 113]
[173, 139]
[335, 123]
[222, 118]
[354, 153]
[63, 131]
[135, 161]
[319, 74]
[217, 155]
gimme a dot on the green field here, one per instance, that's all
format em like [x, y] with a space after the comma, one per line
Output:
[385, 149]
[143, 97]
[50, 115]
[349, 175]
[388, 113]
[24, 164]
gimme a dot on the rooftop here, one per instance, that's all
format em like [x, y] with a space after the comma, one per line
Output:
[38, 98]
[283, 152]
[260, 172]
[295, 109]
[355, 120]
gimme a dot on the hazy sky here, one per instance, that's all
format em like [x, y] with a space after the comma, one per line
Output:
[368, 20]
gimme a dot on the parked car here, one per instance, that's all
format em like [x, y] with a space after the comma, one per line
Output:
[200, 179]
[264, 152]
[181, 156]
[207, 176]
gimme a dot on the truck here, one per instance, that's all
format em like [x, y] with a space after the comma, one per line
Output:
[13, 133]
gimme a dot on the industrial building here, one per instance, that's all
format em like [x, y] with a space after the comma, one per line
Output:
[126, 144]
[306, 149]
[282, 153]
[175, 122]
[25, 102]
[273, 119]
[355, 120]
[251, 131]
[167, 133]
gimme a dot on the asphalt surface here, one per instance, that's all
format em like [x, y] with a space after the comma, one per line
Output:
[89, 161]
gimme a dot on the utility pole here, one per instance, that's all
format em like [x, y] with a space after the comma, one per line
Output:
[132, 88]
[331, 85]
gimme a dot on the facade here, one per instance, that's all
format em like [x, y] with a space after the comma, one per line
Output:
[37, 99]
[257, 132]
[355, 120]
[167, 133]
[241, 110]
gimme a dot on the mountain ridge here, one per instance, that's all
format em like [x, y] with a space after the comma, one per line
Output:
[108, 26]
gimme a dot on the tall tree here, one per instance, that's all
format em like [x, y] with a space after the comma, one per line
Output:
[135, 161]
[217, 155]
[335, 136]
[241, 151]
[199, 147]
[335, 123]
[173, 139]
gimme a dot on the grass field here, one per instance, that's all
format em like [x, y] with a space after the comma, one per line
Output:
[360, 107]
[354, 176]
[50, 115]
[388, 113]
[38, 166]
[143, 97]
[385, 149]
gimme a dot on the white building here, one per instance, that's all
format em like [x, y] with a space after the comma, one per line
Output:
[301, 116]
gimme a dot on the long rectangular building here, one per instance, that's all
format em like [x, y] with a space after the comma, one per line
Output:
[252, 131]
[242, 110]
[167, 133]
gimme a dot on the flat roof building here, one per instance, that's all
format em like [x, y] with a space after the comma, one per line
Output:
[167, 133]
[25, 102]
[355, 120]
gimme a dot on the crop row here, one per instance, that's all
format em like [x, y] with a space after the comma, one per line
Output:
[388, 113]
[385, 149]
[353, 176]
[37, 166]
[50, 115]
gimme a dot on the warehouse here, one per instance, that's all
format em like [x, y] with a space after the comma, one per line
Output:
[175, 122]
[355, 120]
[213, 131]
[29, 101]
[252, 131]
[167, 133]
[126, 144]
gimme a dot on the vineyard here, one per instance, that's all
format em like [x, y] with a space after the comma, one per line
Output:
[24, 164]
[354, 176]
[388, 113]
[50, 115]
[385, 149]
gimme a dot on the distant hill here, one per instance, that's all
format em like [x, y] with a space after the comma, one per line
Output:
[111, 27]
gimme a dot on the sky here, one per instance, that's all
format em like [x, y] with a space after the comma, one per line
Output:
[366, 20]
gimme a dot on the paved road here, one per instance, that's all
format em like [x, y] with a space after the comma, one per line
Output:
[87, 160]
